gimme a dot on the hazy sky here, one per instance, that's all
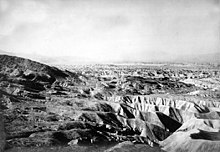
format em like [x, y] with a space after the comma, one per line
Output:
[110, 30]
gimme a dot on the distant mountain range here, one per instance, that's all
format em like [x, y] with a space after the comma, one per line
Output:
[200, 58]
[68, 60]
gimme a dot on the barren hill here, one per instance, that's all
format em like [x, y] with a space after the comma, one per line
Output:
[8, 63]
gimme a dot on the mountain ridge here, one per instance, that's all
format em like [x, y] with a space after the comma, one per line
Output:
[68, 60]
[8, 62]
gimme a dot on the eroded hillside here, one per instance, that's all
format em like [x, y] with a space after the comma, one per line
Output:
[133, 107]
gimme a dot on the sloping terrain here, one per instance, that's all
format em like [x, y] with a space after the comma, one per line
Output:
[133, 108]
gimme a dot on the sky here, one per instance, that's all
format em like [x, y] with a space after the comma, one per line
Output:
[110, 30]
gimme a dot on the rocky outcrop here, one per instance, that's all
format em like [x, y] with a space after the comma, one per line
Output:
[130, 147]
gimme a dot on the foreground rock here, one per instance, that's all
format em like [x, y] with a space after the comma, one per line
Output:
[130, 147]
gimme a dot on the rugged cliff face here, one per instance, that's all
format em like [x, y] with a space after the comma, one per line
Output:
[103, 105]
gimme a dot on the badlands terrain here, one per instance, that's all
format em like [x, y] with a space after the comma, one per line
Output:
[110, 107]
